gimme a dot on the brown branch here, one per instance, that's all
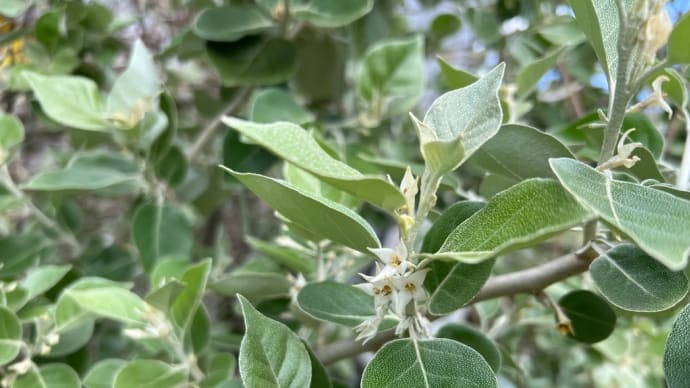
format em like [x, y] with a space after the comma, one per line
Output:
[207, 132]
[527, 281]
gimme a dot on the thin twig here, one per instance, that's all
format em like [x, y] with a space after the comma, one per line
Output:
[207, 132]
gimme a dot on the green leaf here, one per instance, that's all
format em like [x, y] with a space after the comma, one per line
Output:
[455, 78]
[14, 8]
[450, 284]
[519, 152]
[135, 90]
[447, 222]
[656, 221]
[41, 279]
[256, 286]
[645, 168]
[73, 339]
[102, 298]
[270, 105]
[460, 121]
[106, 172]
[427, 363]
[444, 25]
[230, 23]
[678, 41]
[391, 77]
[149, 374]
[599, 21]
[320, 216]
[49, 376]
[11, 134]
[521, 216]
[102, 374]
[253, 60]
[164, 296]
[270, 354]
[330, 14]
[189, 300]
[336, 302]
[19, 252]
[319, 374]
[530, 74]
[294, 144]
[159, 231]
[10, 335]
[591, 318]
[633, 281]
[294, 259]
[476, 340]
[453, 285]
[677, 352]
[69, 100]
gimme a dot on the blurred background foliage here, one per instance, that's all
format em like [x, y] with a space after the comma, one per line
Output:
[305, 68]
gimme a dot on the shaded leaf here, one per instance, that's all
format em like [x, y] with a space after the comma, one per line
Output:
[633, 281]
[330, 14]
[474, 339]
[230, 23]
[391, 77]
[591, 318]
[10, 335]
[271, 105]
[159, 231]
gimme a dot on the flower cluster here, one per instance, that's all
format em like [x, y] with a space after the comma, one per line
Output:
[398, 290]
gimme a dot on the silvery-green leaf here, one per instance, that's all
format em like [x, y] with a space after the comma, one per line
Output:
[656, 221]
[294, 144]
[633, 281]
[460, 121]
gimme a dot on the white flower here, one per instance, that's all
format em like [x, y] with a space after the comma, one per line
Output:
[393, 258]
[409, 288]
[367, 329]
[622, 158]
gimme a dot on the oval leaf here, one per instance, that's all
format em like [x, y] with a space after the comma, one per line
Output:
[427, 363]
[256, 286]
[320, 216]
[677, 352]
[591, 318]
[294, 144]
[230, 23]
[10, 335]
[521, 216]
[271, 105]
[336, 302]
[270, 354]
[519, 152]
[49, 376]
[71, 101]
[678, 41]
[102, 374]
[149, 374]
[657, 222]
[460, 121]
[159, 231]
[474, 339]
[633, 281]
[391, 78]
[328, 13]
